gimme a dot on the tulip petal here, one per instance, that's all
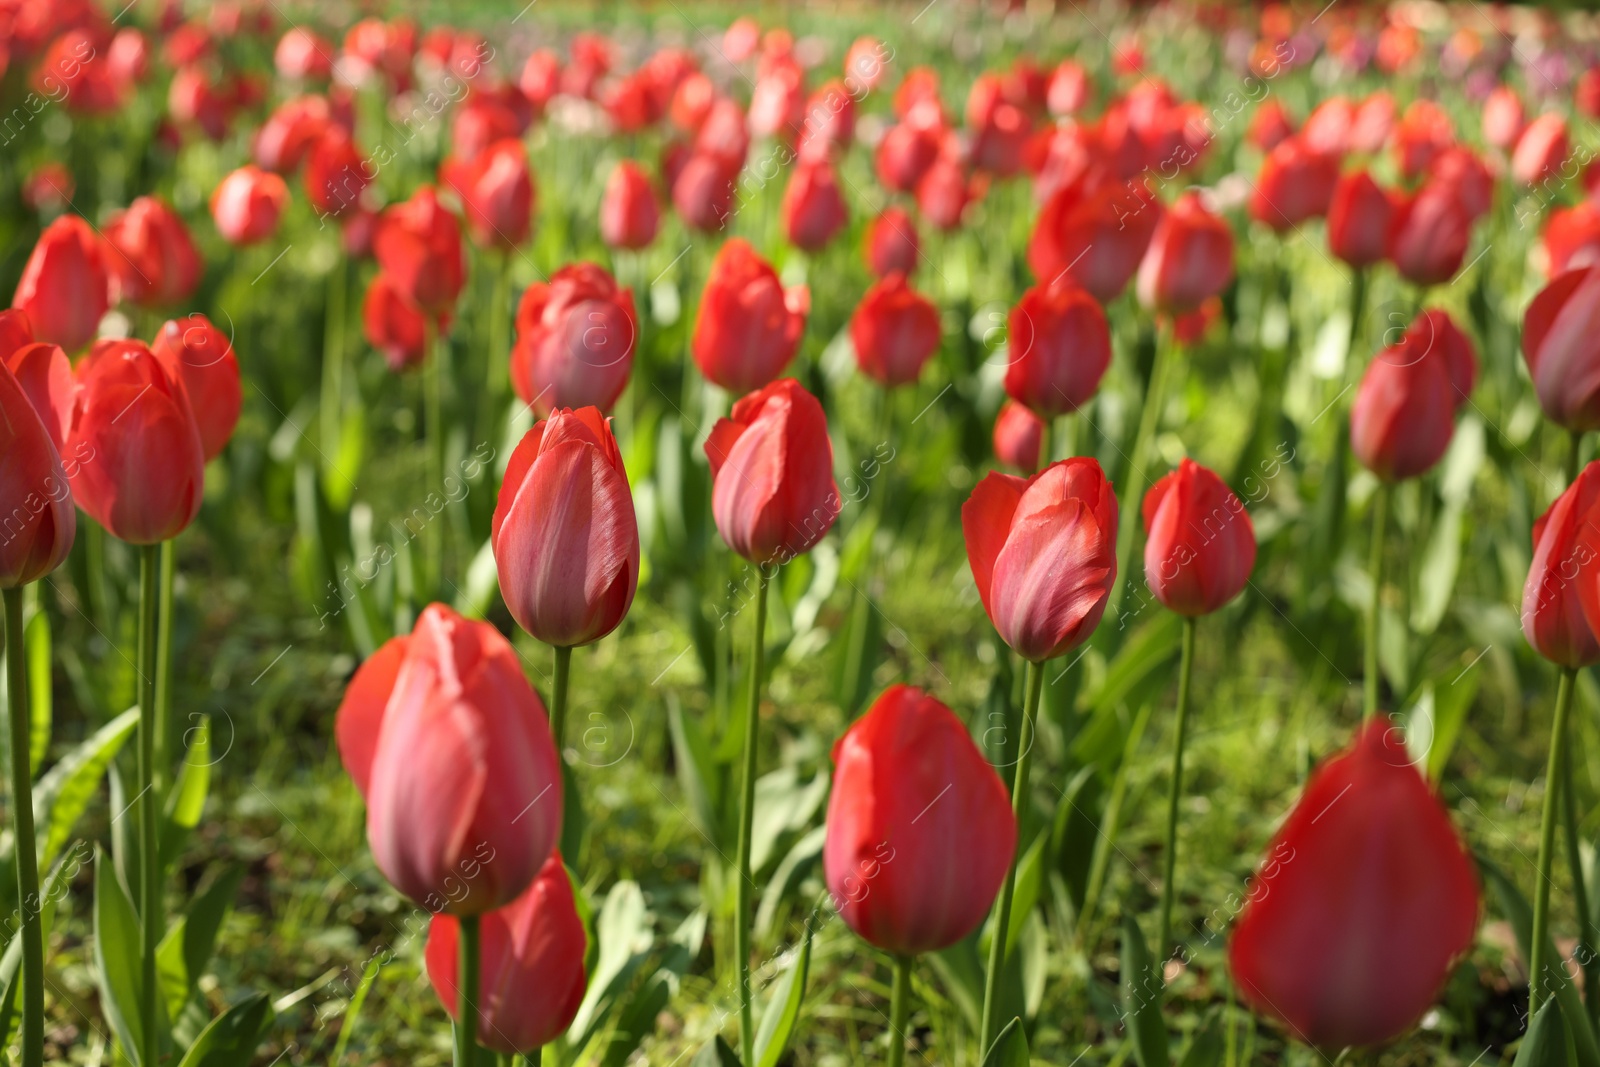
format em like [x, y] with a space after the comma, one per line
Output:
[985, 522]
[359, 720]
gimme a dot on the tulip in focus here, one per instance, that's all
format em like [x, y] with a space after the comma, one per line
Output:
[1059, 347]
[1561, 343]
[247, 204]
[895, 331]
[45, 374]
[199, 355]
[748, 326]
[1201, 545]
[1560, 588]
[65, 287]
[1404, 412]
[575, 340]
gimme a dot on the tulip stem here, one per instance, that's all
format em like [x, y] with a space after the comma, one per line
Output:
[32, 1029]
[1002, 916]
[558, 697]
[1369, 679]
[149, 840]
[1574, 456]
[899, 1010]
[499, 345]
[163, 723]
[1175, 788]
[1133, 485]
[1547, 839]
[747, 803]
[467, 993]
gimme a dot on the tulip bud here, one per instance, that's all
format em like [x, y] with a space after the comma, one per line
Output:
[773, 495]
[147, 476]
[998, 127]
[65, 288]
[920, 832]
[1561, 342]
[302, 54]
[565, 539]
[531, 976]
[418, 245]
[1541, 150]
[1096, 234]
[629, 213]
[395, 326]
[247, 204]
[895, 331]
[905, 154]
[1295, 184]
[1059, 348]
[830, 122]
[290, 132]
[1404, 412]
[1043, 551]
[451, 750]
[496, 188]
[748, 326]
[1572, 238]
[1327, 128]
[152, 257]
[1364, 903]
[540, 78]
[944, 192]
[1429, 234]
[1373, 123]
[813, 206]
[891, 243]
[1502, 117]
[336, 174]
[1019, 437]
[575, 339]
[703, 192]
[1554, 597]
[1070, 89]
[1201, 545]
[1270, 126]
[199, 355]
[1359, 220]
[37, 529]
[724, 137]
[1190, 258]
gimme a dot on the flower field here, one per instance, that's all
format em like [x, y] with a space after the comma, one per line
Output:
[945, 533]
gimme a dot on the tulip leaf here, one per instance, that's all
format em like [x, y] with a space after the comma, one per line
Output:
[187, 801]
[623, 930]
[116, 957]
[1206, 1047]
[1436, 575]
[1142, 992]
[1029, 882]
[1010, 1048]
[1434, 724]
[1545, 1043]
[65, 790]
[716, 1054]
[185, 951]
[231, 1039]
[1074, 832]
[36, 635]
[782, 1012]
[960, 969]
[800, 856]
[482, 582]
[696, 773]
[1147, 649]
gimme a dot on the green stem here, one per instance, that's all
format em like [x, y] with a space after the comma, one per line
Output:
[1585, 952]
[1358, 306]
[1574, 456]
[499, 345]
[433, 439]
[1002, 918]
[149, 841]
[29, 904]
[1547, 838]
[467, 994]
[747, 804]
[1175, 788]
[558, 698]
[1133, 485]
[332, 408]
[1380, 510]
[899, 1010]
[163, 705]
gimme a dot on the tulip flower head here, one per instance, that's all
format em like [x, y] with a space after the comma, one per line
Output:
[199, 355]
[152, 258]
[1561, 598]
[895, 331]
[496, 189]
[1404, 412]
[813, 206]
[1190, 258]
[65, 287]
[748, 326]
[575, 340]
[1360, 216]
[1200, 544]
[45, 374]
[629, 212]
[247, 205]
[395, 326]
[1019, 437]
[1561, 343]
[39, 526]
[418, 245]
[1059, 347]
[891, 243]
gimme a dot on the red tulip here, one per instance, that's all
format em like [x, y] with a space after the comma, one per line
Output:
[740, 40]
[998, 127]
[290, 132]
[830, 122]
[152, 257]
[629, 213]
[418, 245]
[127, 59]
[891, 243]
[575, 339]
[895, 331]
[395, 326]
[1404, 411]
[631, 102]
[1270, 125]
[496, 189]
[1019, 437]
[1429, 234]
[1587, 93]
[148, 474]
[531, 975]
[773, 495]
[565, 539]
[920, 833]
[778, 102]
[540, 78]
[65, 288]
[451, 750]
[1572, 238]
[1502, 117]
[748, 325]
[15, 331]
[1096, 234]
[337, 174]
[724, 136]
[199, 355]
[865, 64]
[1327, 128]
[1459, 169]
[1541, 150]
[1359, 220]
[1059, 348]
[1295, 184]
[905, 154]
[1201, 544]
[1070, 89]
[1190, 258]
[703, 192]
[1561, 342]
[1043, 551]
[1422, 133]
[247, 204]
[194, 100]
[37, 532]
[45, 374]
[692, 102]
[813, 206]
[1373, 123]
[49, 188]
[1560, 585]
[1367, 899]
[944, 192]
[302, 54]
[71, 70]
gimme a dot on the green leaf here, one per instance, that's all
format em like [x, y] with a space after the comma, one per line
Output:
[187, 801]
[1010, 1049]
[1142, 991]
[477, 594]
[1149, 647]
[696, 772]
[783, 805]
[116, 957]
[232, 1038]
[1206, 1048]
[624, 932]
[1545, 1043]
[782, 1012]
[1074, 832]
[352, 1013]
[1436, 574]
[716, 1054]
[62, 794]
[36, 635]
[1030, 880]
[1434, 724]
[185, 951]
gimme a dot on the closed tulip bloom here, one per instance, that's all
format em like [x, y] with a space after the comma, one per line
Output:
[531, 976]
[773, 495]
[540, 78]
[1541, 150]
[1295, 184]
[813, 206]
[1572, 238]
[1096, 234]
[40, 521]
[920, 832]
[15, 331]
[724, 136]
[575, 339]
[247, 204]
[1201, 545]
[148, 474]
[302, 54]
[895, 331]
[1429, 234]
[496, 189]
[1374, 122]
[630, 214]
[198, 354]
[1190, 258]
[1070, 89]
[1059, 349]
[1553, 598]
[748, 325]
[1359, 220]
[1366, 900]
[45, 374]
[418, 245]
[337, 174]
[1327, 128]
[65, 287]
[945, 191]
[451, 750]
[905, 154]
[152, 257]
[1270, 126]
[1018, 437]
[1561, 342]
[566, 542]
[1043, 551]
[290, 132]
[702, 192]
[394, 325]
[1502, 117]
[1404, 412]
[891, 243]
[1469, 176]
